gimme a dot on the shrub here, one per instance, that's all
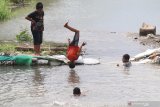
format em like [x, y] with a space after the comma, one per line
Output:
[24, 36]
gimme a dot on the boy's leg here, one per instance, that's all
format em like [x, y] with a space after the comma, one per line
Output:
[34, 33]
[40, 39]
[37, 49]
[37, 37]
[39, 42]
[71, 28]
[75, 40]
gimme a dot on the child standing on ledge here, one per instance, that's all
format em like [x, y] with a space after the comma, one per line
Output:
[37, 26]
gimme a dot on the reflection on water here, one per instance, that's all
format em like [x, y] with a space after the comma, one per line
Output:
[38, 78]
[126, 70]
[38, 84]
[73, 78]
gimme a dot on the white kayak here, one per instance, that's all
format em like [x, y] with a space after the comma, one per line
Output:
[144, 61]
[87, 61]
[62, 58]
[143, 57]
[145, 54]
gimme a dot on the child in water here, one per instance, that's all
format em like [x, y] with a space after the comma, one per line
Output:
[76, 91]
[73, 50]
[125, 60]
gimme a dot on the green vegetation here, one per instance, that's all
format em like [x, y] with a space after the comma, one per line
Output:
[5, 11]
[23, 45]
[7, 47]
[24, 36]
[19, 1]
[8, 7]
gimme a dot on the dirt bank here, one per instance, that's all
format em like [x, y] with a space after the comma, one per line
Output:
[150, 39]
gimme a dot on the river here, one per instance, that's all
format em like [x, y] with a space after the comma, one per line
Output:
[103, 25]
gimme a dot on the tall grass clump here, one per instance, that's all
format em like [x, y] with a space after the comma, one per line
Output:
[24, 36]
[7, 47]
[5, 11]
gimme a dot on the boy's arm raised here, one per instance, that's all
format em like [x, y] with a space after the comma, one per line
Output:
[80, 49]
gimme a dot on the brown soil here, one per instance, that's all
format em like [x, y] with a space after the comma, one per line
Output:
[150, 39]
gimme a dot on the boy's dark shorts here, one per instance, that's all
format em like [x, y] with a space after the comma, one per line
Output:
[75, 40]
[37, 37]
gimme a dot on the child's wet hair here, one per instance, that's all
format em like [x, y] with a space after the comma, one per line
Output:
[76, 91]
[126, 58]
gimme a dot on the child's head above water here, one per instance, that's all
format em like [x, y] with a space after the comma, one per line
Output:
[76, 91]
[125, 58]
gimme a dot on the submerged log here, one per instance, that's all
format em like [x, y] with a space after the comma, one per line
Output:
[19, 48]
[147, 29]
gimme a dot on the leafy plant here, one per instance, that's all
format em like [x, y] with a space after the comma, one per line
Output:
[24, 36]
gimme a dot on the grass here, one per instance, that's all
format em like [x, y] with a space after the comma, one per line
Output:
[24, 36]
[5, 11]
[24, 39]
[8, 47]
[19, 1]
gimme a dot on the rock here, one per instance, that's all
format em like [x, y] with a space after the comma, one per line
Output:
[113, 32]
[147, 29]
[157, 40]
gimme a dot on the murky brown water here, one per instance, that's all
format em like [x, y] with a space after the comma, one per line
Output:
[105, 84]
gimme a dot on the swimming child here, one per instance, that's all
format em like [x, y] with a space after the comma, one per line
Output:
[76, 91]
[126, 61]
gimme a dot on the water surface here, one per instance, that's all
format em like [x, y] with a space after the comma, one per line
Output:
[105, 83]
